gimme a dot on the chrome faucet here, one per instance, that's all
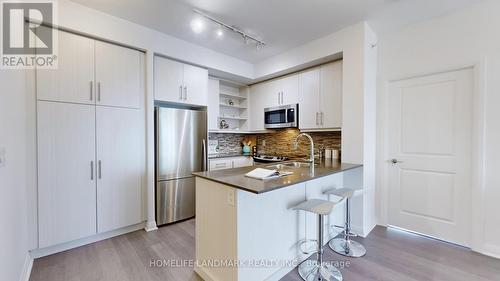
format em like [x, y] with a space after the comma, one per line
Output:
[311, 153]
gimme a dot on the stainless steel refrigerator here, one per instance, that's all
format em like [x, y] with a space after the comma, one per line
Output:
[181, 149]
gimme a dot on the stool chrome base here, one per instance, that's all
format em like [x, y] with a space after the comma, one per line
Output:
[348, 248]
[310, 270]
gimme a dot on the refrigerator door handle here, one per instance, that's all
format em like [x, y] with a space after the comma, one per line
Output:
[204, 155]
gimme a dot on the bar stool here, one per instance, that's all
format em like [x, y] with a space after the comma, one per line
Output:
[345, 246]
[317, 270]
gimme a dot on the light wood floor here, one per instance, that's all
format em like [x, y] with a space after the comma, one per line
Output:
[391, 255]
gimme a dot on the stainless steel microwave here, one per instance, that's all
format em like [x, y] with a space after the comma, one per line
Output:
[285, 116]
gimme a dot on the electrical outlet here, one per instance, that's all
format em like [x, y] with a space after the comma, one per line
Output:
[230, 197]
[263, 143]
[2, 157]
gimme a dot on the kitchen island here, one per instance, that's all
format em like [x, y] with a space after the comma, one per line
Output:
[245, 228]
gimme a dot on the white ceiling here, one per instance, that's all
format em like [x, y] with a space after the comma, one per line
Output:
[281, 24]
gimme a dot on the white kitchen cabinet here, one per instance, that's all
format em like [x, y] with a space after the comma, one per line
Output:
[320, 97]
[289, 87]
[330, 100]
[260, 98]
[118, 76]
[309, 91]
[66, 172]
[230, 162]
[120, 162]
[195, 85]
[73, 80]
[243, 161]
[180, 83]
[220, 164]
[213, 104]
[168, 80]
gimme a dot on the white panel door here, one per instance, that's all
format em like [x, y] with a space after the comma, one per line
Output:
[118, 75]
[289, 89]
[66, 172]
[243, 161]
[73, 80]
[168, 80]
[330, 100]
[120, 167]
[309, 89]
[195, 85]
[430, 136]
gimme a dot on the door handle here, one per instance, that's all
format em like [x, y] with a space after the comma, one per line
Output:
[204, 154]
[322, 115]
[185, 92]
[317, 123]
[180, 92]
[99, 169]
[91, 90]
[282, 97]
[395, 161]
[98, 91]
[279, 100]
[91, 170]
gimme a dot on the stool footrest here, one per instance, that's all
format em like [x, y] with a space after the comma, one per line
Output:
[301, 243]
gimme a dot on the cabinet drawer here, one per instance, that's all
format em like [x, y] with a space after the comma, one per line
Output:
[242, 162]
[220, 164]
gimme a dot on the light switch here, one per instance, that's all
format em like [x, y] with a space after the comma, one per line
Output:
[2, 157]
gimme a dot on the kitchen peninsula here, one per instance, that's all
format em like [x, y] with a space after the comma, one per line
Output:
[245, 228]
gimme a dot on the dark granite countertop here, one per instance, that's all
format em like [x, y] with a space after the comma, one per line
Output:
[236, 177]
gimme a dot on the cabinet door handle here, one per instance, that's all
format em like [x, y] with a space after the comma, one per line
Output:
[185, 92]
[98, 91]
[91, 90]
[317, 123]
[99, 169]
[180, 92]
[91, 170]
[282, 98]
[322, 115]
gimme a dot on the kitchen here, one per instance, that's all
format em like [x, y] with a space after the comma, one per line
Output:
[346, 141]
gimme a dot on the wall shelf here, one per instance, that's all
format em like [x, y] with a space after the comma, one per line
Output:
[233, 106]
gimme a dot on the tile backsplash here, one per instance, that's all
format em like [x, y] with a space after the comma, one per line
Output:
[279, 143]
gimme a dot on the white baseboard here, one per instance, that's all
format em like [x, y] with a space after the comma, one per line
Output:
[489, 250]
[151, 226]
[38, 253]
[28, 265]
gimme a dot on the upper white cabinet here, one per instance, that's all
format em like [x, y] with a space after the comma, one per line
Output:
[195, 85]
[168, 80]
[66, 172]
[179, 82]
[73, 80]
[120, 167]
[309, 90]
[260, 98]
[320, 97]
[330, 100]
[288, 89]
[118, 76]
[93, 72]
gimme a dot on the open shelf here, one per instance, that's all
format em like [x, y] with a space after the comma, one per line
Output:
[233, 117]
[231, 95]
[233, 106]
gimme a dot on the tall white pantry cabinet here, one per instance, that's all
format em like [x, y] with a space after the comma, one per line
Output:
[91, 140]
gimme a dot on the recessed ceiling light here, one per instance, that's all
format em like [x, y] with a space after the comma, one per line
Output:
[219, 33]
[197, 25]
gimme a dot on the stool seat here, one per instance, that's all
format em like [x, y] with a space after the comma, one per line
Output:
[316, 206]
[341, 192]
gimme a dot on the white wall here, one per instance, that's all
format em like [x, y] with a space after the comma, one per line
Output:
[469, 37]
[14, 175]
